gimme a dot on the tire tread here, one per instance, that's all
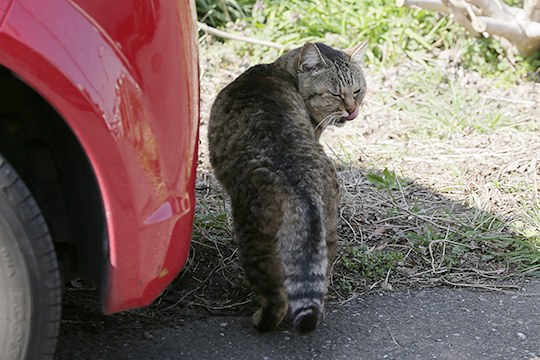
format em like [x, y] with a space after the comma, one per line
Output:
[48, 299]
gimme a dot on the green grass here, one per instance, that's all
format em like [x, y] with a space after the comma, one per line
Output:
[442, 109]
[529, 225]
[373, 264]
[220, 12]
[211, 218]
[395, 34]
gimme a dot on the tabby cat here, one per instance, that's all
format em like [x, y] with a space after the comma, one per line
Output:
[264, 147]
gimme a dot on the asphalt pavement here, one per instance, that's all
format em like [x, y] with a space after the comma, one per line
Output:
[437, 323]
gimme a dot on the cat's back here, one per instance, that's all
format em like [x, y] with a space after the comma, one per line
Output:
[263, 92]
[260, 115]
[259, 80]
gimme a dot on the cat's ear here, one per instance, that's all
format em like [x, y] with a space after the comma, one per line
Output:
[357, 52]
[310, 58]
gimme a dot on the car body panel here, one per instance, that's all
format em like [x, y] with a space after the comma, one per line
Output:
[124, 77]
[4, 9]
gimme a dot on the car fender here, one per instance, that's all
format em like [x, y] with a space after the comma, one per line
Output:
[134, 110]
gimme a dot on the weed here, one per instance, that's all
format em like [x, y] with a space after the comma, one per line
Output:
[387, 180]
[371, 263]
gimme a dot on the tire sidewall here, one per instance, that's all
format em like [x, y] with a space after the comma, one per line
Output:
[15, 286]
[30, 292]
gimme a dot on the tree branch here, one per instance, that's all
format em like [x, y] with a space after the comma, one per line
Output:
[519, 26]
[532, 9]
[433, 5]
[225, 35]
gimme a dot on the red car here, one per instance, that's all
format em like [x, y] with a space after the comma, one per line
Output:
[99, 105]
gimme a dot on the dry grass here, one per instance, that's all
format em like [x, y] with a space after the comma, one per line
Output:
[457, 205]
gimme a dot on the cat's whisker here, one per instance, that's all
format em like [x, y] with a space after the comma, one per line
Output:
[330, 119]
[321, 123]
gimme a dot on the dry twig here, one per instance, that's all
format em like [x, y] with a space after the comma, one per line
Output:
[225, 35]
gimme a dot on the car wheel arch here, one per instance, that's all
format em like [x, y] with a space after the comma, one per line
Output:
[43, 149]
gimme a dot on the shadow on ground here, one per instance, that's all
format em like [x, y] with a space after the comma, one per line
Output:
[395, 236]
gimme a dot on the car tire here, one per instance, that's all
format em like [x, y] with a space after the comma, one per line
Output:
[30, 291]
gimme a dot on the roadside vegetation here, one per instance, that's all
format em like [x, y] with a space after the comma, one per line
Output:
[440, 175]
[395, 33]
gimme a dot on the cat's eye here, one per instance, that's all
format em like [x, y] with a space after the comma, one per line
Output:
[339, 96]
[358, 92]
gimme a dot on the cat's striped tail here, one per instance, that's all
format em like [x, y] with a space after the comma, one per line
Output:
[304, 257]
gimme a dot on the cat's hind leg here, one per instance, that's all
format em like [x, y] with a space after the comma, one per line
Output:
[272, 311]
[257, 213]
[263, 271]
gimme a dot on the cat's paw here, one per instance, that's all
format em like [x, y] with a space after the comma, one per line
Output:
[265, 321]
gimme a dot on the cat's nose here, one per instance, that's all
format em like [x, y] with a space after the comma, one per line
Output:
[350, 105]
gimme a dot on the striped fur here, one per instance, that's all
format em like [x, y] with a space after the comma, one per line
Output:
[263, 139]
[304, 258]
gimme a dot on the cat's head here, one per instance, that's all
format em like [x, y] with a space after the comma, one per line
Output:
[331, 82]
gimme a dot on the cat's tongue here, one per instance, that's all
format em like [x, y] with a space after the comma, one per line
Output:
[352, 115]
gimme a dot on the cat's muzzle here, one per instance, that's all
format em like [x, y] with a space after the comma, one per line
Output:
[347, 117]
